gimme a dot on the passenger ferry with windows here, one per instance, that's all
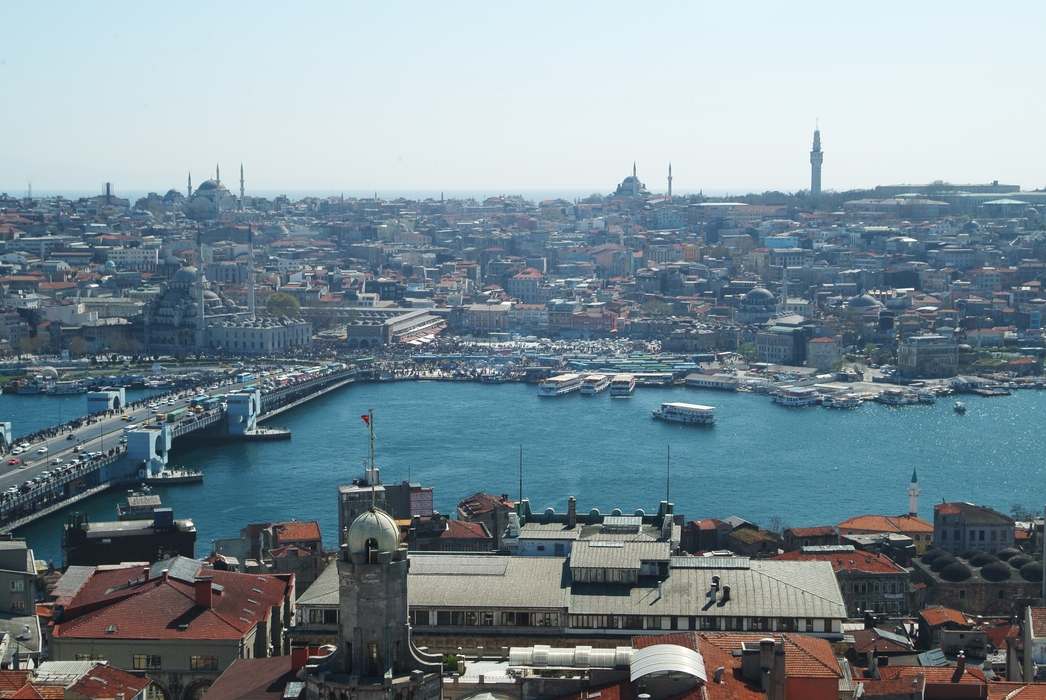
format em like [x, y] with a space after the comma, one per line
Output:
[559, 385]
[622, 385]
[594, 383]
[686, 413]
[897, 397]
[844, 400]
[63, 387]
[797, 396]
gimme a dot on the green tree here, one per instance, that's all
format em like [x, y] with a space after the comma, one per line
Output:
[747, 351]
[282, 304]
[77, 346]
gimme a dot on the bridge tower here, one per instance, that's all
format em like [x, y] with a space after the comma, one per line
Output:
[243, 410]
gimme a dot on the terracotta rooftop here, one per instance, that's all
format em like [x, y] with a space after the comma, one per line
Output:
[822, 531]
[934, 674]
[871, 524]
[865, 562]
[104, 681]
[940, 615]
[296, 531]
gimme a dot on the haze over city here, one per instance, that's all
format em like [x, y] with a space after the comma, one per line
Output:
[504, 98]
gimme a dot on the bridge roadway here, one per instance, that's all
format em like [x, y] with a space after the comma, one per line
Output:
[76, 476]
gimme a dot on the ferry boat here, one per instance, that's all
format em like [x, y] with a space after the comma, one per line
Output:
[70, 386]
[925, 396]
[959, 407]
[594, 383]
[897, 397]
[139, 505]
[686, 413]
[559, 385]
[31, 387]
[622, 385]
[843, 401]
[797, 396]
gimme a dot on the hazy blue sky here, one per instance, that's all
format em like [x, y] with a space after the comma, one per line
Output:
[507, 97]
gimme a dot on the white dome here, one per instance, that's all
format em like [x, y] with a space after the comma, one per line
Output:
[374, 525]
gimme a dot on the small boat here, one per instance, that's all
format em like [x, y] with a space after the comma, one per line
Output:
[171, 477]
[686, 413]
[622, 385]
[959, 407]
[797, 396]
[897, 397]
[926, 396]
[843, 401]
[594, 383]
[139, 505]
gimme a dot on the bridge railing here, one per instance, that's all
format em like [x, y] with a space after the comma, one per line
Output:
[51, 491]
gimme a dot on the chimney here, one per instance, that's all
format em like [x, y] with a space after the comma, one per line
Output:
[571, 512]
[145, 574]
[203, 592]
[726, 593]
[715, 588]
[719, 674]
[960, 667]
[299, 657]
[766, 664]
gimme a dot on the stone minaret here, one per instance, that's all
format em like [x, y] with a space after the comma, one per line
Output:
[187, 196]
[201, 324]
[816, 158]
[669, 179]
[913, 496]
[217, 194]
[242, 206]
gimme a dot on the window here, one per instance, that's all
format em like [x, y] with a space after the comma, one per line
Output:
[993, 535]
[1002, 594]
[1003, 535]
[759, 623]
[809, 625]
[201, 662]
[18, 605]
[90, 657]
[944, 535]
[632, 622]
[147, 662]
[962, 594]
[708, 623]
[330, 616]
[443, 617]
[958, 536]
[18, 586]
[419, 618]
[981, 538]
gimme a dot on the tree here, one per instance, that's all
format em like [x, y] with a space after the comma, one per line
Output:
[77, 346]
[747, 351]
[282, 304]
[1019, 512]
[777, 525]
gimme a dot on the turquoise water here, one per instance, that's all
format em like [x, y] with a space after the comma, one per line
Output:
[810, 466]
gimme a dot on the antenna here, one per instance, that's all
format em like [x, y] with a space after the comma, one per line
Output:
[521, 472]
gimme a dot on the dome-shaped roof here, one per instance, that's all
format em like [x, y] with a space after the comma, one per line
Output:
[185, 274]
[863, 301]
[971, 552]
[971, 226]
[759, 297]
[984, 559]
[208, 185]
[956, 572]
[997, 571]
[374, 525]
[110, 264]
[940, 562]
[963, 347]
[929, 557]
[1005, 554]
[1032, 571]
[1019, 560]
[208, 294]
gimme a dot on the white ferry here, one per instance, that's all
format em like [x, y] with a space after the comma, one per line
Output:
[622, 385]
[594, 383]
[926, 396]
[686, 413]
[844, 400]
[897, 397]
[797, 396]
[559, 385]
[71, 386]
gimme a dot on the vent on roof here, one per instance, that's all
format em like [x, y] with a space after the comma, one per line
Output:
[256, 590]
[183, 626]
[252, 602]
[263, 580]
[249, 612]
[111, 629]
[245, 619]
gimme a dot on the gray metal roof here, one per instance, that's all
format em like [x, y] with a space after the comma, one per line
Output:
[324, 590]
[549, 531]
[449, 581]
[615, 554]
[664, 658]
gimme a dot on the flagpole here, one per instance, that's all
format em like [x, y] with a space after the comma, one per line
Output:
[370, 425]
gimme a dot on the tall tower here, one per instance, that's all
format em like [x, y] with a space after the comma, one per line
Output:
[913, 496]
[816, 158]
[241, 188]
[189, 193]
[217, 194]
[635, 181]
[669, 179]
[201, 324]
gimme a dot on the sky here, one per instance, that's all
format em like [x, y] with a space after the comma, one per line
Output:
[507, 97]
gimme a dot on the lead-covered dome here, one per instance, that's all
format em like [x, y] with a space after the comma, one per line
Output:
[759, 297]
[376, 525]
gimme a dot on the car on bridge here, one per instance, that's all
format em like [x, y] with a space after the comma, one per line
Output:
[70, 436]
[13, 461]
[42, 450]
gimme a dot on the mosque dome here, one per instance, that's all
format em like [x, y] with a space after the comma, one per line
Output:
[210, 185]
[186, 275]
[110, 265]
[942, 561]
[929, 557]
[863, 301]
[1019, 560]
[376, 525]
[956, 572]
[759, 297]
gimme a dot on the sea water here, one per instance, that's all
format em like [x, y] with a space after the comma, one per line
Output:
[808, 466]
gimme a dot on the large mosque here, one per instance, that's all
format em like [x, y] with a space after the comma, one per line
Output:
[193, 316]
[211, 198]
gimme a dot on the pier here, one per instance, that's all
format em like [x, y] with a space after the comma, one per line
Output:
[37, 487]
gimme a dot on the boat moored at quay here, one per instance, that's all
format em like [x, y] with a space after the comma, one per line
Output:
[797, 396]
[559, 385]
[692, 413]
[844, 400]
[622, 385]
[594, 383]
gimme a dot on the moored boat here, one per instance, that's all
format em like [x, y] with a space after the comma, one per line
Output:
[622, 385]
[139, 505]
[692, 413]
[559, 385]
[959, 407]
[843, 401]
[897, 397]
[67, 386]
[594, 383]
[797, 396]
[926, 396]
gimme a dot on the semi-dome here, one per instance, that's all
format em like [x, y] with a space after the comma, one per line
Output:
[863, 301]
[374, 526]
[759, 297]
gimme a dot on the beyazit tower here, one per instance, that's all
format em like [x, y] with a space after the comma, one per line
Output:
[816, 158]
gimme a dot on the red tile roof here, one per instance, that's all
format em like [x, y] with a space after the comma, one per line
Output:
[871, 524]
[104, 681]
[1038, 622]
[934, 674]
[865, 562]
[940, 615]
[914, 685]
[12, 680]
[805, 656]
[822, 531]
[253, 679]
[867, 640]
[156, 609]
[296, 531]
[1016, 691]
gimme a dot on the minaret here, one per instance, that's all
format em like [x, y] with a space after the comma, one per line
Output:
[250, 271]
[200, 322]
[217, 194]
[816, 158]
[669, 179]
[241, 188]
[913, 496]
[187, 196]
[635, 181]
